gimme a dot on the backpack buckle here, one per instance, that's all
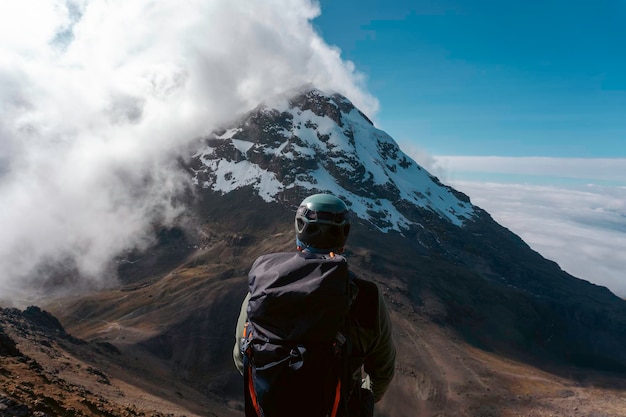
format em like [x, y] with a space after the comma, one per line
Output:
[246, 338]
[296, 357]
[338, 343]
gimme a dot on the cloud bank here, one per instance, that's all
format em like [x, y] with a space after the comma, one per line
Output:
[581, 227]
[99, 97]
[592, 170]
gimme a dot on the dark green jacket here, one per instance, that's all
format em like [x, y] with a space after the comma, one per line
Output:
[370, 333]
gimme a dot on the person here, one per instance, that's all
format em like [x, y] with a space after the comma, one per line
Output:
[322, 225]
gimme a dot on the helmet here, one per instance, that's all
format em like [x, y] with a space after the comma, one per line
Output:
[322, 223]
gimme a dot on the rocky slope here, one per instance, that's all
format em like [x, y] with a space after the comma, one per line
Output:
[45, 372]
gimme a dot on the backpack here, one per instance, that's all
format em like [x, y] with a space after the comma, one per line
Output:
[294, 346]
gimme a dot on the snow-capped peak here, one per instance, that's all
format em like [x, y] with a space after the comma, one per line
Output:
[322, 143]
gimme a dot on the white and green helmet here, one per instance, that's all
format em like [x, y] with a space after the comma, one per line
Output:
[322, 223]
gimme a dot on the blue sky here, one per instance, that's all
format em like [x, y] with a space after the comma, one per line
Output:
[519, 104]
[514, 78]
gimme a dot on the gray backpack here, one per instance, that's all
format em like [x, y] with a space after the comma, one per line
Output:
[295, 346]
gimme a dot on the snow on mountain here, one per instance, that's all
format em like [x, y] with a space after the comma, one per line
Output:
[322, 143]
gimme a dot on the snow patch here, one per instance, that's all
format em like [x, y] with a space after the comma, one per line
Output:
[242, 146]
[229, 133]
[230, 176]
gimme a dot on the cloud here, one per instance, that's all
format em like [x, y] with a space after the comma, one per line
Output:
[98, 98]
[581, 226]
[583, 230]
[424, 159]
[611, 170]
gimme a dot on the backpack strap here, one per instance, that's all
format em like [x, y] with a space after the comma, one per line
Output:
[252, 408]
[295, 359]
[337, 400]
[362, 316]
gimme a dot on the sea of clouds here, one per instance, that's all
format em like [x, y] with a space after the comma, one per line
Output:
[97, 98]
[571, 210]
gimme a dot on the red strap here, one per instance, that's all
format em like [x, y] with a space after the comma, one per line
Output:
[337, 398]
[255, 403]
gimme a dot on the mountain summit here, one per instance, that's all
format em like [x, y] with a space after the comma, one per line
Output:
[323, 143]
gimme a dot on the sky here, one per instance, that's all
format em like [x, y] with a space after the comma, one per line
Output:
[515, 78]
[519, 104]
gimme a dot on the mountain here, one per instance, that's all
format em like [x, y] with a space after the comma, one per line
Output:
[483, 324]
[493, 287]
[314, 142]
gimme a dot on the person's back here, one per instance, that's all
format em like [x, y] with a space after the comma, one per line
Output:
[308, 326]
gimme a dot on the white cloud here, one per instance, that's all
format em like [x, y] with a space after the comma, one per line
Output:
[424, 159]
[98, 97]
[592, 169]
[581, 227]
